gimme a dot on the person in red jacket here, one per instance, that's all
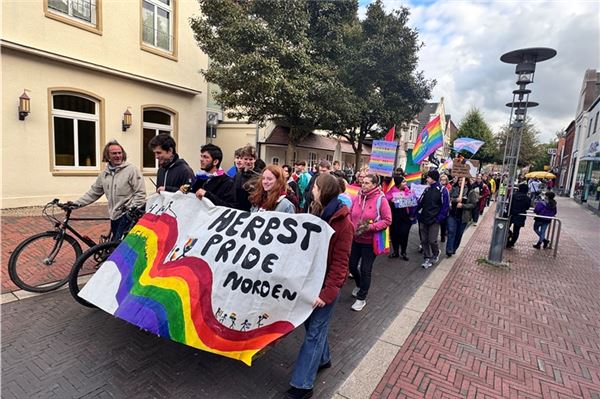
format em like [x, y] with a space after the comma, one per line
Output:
[370, 212]
[314, 352]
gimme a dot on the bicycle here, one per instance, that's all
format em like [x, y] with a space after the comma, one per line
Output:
[87, 264]
[42, 262]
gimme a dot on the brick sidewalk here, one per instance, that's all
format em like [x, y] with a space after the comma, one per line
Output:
[17, 228]
[528, 331]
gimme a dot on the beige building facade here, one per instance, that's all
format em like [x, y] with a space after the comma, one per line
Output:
[83, 64]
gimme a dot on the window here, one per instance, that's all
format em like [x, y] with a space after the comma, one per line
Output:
[83, 13]
[294, 158]
[312, 159]
[155, 121]
[275, 161]
[157, 24]
[75, 128]
[596, 122]
[329, 157]
[590, 127]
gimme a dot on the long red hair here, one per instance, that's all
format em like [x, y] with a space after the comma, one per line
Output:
[268, 199]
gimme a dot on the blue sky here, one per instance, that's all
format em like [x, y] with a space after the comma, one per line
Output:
[465, 39]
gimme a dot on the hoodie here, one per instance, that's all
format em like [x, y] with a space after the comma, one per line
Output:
[364, 209]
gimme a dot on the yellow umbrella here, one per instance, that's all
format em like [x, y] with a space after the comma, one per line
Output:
[540, 175]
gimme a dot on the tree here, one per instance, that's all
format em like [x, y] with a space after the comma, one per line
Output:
[529, 143]
[276, 60]
[473, 125]
[378, 68]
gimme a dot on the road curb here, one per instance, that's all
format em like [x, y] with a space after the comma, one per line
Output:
[363, 380]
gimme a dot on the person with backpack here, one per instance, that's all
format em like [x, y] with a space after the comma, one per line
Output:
[370, 213]
[432, 209]
[546, 207]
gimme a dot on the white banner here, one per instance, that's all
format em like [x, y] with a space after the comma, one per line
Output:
[216, 278]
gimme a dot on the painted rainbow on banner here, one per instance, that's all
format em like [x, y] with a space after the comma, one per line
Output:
[429, 140]
[173, 299]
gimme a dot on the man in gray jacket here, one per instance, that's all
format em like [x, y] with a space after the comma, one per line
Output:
[123, 185]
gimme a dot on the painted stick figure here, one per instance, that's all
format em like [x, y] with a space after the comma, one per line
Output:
[245, 325]
[218, 313]
[261, 318]
[223, 317]
[232, 317]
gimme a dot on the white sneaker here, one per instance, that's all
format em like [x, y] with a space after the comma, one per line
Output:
[436, 259]
[427, 264]
[358, 305]
[355, 292]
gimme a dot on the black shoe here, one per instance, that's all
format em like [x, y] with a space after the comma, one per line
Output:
[324, 366]
[393, 255]
[443, 239]
[546, 243]
[448, 254]
[537, 246]
[298, 393]
[404, 257]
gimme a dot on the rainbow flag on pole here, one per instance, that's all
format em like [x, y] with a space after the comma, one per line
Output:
[413, 177]
[429, 140]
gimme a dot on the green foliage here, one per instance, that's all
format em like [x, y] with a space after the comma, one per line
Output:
[379, 70]
[530, 146]
[473, 125]
[276, 59]
[312, 64]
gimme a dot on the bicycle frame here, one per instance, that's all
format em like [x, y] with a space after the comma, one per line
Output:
[63, 226]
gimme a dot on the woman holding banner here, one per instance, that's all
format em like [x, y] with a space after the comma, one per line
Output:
[370, 213]
[271, 191]
[402, 204]
[314, 352]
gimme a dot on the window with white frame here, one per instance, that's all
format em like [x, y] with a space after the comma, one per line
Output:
[329, 157]
[294, 157]
[75, 131]
[157, 24]
[275, 160]
[155, 121]
[312, 159]
[596, 122]
[78, 10]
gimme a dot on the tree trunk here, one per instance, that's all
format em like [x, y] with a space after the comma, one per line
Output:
[289, 155]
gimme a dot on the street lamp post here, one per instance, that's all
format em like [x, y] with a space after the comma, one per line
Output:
[525, 60]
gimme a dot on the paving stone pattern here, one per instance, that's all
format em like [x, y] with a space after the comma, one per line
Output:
[528, 331]
[54, 348]
[15, 229]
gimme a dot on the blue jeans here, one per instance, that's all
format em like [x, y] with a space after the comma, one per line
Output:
[118, 227]
[314, 351]
[456, 229]
[540, 229]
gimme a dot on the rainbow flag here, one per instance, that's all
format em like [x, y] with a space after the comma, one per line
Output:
[429, 140]
[413, 177]
[352, 191]
[381, 242]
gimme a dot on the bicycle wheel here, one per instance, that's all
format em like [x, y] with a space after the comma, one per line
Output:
[86, 265]
[42, 262]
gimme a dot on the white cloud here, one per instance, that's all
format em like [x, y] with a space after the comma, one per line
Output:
[465, 39]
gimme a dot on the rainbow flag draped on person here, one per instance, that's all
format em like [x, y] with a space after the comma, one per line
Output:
[429, 140]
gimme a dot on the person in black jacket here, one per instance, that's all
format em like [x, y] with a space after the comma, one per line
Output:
[212, 182]
[246, 178]
[520, 204]
[173, 172]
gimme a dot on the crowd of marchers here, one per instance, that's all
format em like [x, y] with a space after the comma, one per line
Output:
[359, 208]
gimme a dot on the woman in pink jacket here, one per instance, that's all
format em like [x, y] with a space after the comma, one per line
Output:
[367, 219]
